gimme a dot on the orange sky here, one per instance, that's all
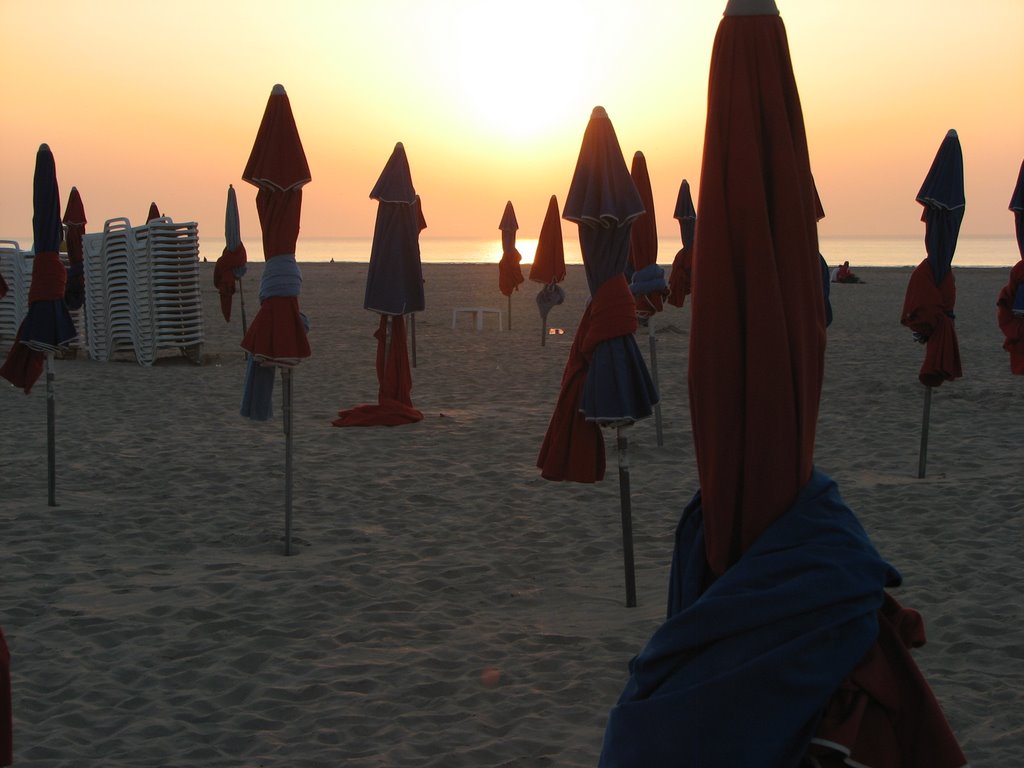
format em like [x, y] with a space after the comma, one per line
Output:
[147, 101]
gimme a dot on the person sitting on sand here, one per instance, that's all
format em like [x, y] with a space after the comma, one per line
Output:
[845, 275]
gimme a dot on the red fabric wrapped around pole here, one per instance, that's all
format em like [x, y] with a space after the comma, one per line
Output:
[758, 330]
[24, 365]
[394, 394]
[573, 447]
[928, 311]
[224, 276]
[1010, 324]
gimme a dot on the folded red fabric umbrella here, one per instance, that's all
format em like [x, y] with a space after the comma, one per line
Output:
[74, 230]
[648, 279]
[1011, 322]
[394, 395]
[549, 260]
[277, 336]
[931, 293]
[154, 213]
[682, 265]
[232, 262]
[510, 274]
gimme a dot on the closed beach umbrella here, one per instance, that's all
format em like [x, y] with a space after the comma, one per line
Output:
[647, 282]
[682, 265]
[931, 292]
[1010, 303]
[154, 213]
[74, 230]
[394, 288]
[606, 382]
[231, 265]
[775, 590]
[548, 266]
[277, 167]
[47, 326]
[510, 274]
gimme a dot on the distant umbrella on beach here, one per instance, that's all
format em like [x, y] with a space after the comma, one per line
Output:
[1010, 303]
[231, 265]
[647, 282]
[606, 382]
[548, 266]
[931, 292]
[47, 327]
[154, 213]
[74, 230]
[510, 274]
[682, 265]
[277, 167]
[394, 288]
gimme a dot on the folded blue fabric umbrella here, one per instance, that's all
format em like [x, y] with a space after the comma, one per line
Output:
[942, 195]
[768, 642]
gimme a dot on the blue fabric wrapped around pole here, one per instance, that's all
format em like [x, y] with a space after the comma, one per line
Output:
[942, 195]
[740, 671]
[281, 277]
[650, 279]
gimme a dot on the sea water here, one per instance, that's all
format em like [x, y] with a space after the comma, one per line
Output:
[973, 251]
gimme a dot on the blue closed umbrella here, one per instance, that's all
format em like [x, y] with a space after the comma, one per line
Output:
[47, 326]
[942, 195]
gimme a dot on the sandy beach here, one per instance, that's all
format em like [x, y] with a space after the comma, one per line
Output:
[445, 605]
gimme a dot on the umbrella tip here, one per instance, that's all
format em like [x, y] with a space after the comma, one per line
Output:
[951, 133]
[277, 90]
[638, 155]
[44, 147]
[751, 8]
[399, 145]
[598, 114]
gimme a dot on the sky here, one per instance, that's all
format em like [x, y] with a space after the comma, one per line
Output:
[161, 102]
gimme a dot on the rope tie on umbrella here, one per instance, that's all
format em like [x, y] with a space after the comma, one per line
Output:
[650, 279]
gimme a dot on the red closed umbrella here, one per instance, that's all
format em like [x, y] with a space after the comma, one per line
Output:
[682, 266]
[154, 213]
[74, 230]
[277, 337]
[548, 266]
[510, 274]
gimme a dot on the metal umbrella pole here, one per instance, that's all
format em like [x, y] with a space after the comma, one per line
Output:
[510, 311]
[412, 320]
[51, 435]
[626, 506]
[286, 397]
[654, 375]
[922, 459]
[241, 296]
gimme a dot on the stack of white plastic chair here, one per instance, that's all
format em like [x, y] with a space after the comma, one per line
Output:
[142, 290]
[16, 267]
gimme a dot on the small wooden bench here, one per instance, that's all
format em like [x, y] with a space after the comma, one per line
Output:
[478, 315]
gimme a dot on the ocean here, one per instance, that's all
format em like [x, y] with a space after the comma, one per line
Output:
[864, 251]
[974, 251]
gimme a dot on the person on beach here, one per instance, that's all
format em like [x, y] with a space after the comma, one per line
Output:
[845, 275]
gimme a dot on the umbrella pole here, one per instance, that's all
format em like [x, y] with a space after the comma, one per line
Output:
[286, 396]
[626, 507]
[922, 459]
[654, 374]
[241, 296]
[413, 323]
[543, 331]
[51, 435]
[509, 312]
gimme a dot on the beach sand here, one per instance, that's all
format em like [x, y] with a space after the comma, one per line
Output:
[445, 605]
